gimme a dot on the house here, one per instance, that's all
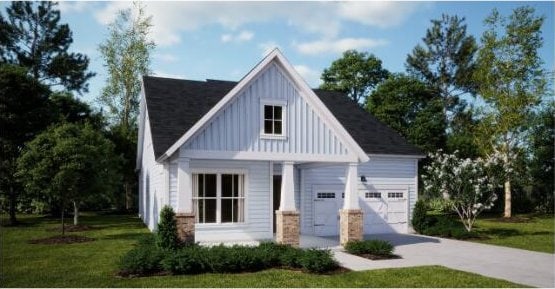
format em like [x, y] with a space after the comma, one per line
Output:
[269, 155]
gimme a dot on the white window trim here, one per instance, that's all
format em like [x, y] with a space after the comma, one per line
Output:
[274, 102]
[219, 172]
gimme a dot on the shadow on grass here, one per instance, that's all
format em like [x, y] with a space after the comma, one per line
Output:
[126, 236]
[504, 233]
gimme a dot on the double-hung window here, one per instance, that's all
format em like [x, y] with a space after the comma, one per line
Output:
[219, 198]
[273, 118]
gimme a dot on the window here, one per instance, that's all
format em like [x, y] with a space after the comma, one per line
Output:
[325, 195]
[395, 195]
[373, 195]
[219, 198]
[273, 119]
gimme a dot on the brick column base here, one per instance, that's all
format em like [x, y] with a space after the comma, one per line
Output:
[351, 226]
[287, 227]
[185, 227]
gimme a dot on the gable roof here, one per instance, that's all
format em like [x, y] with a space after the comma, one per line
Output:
[175, 105]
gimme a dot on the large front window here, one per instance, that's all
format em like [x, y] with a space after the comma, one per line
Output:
[219, 198]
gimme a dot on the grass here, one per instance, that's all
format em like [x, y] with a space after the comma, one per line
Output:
[94, 264]
[536, 233]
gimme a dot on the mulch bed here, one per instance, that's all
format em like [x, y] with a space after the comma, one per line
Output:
[379, 257]
[66, 239]
[72, 228]
[513, 220]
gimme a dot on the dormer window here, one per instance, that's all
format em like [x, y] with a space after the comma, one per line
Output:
[273, 118]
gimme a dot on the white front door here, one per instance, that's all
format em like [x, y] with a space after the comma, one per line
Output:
[326, 212]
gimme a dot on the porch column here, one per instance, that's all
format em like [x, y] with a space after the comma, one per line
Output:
[185, 216]
[287, 217]
[351, 219]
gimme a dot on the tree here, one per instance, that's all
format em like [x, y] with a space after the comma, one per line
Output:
[33, 38]
[67, 163]
[411, 108]
[66, 108]
[23, 113]
[467, 184]
[445, 61]
[125, 141]
[512, 81]
[166, 235]
[461, 137]
[126, 55]
[542, 158]
[356, 73]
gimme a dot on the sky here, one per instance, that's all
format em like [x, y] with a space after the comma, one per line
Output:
[224, 40]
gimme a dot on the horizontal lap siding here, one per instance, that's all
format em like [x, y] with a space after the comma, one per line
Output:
[389, 172]
[257, 198]
[237, 127]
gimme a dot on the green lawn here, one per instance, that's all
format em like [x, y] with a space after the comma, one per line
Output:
[535, 233]
[94, 264]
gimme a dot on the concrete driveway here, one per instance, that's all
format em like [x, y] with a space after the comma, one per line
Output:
[515, 265]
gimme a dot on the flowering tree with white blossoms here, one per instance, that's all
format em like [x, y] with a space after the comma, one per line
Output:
[467, 184]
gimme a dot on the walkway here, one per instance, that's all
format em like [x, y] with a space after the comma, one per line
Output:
[515, 265]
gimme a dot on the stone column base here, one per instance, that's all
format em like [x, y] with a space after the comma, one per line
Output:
[287, 228]
[185, 227]
[351, 226]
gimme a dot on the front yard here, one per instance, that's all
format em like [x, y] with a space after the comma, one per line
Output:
[94, 264]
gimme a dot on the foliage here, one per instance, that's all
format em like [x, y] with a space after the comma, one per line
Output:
[462, 133]
[166, 235]
[67, 108]
[144, 259]
[318, 261]
[373, 247]
[187, 260]
[126, 55]
[355, 73]
[23, 110]
[419, 216]
[447, 227]
[33, 38]
[512, 81]
[28, 265]
[468, 184]
[445, 61]
[542, 158]
[68, 162]
[411, 108]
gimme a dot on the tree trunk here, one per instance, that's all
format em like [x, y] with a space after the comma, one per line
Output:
[507, 213]
[75, 213]
[13, 203]
[127, 196]
[63, 221]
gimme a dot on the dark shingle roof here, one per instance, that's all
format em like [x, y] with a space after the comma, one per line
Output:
[175, 105]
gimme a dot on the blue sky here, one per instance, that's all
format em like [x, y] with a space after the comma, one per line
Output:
[224, 40]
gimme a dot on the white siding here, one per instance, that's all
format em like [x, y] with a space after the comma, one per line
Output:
[237, 127]
[380, 172]
[173, 186]
[152, 181]
[258, 224]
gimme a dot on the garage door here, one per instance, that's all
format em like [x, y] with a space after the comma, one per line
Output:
[326, 212]
[384, 211]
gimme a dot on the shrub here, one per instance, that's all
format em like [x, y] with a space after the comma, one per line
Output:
[142, 260]
[419, 216]
[166, 236]
[373, 247]
[318, 261]
[187, 260]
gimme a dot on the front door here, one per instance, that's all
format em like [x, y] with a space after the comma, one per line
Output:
[276, 197]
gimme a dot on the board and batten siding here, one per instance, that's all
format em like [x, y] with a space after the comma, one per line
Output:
[238, 126]
[258, 224]
[152, 182]
[173, 186]
[380, 173]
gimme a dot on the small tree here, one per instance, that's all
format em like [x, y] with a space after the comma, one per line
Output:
[166, 236]
[67, 163]
[468, 184]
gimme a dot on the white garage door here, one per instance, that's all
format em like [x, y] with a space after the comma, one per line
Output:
[326, 212]
[385, 211]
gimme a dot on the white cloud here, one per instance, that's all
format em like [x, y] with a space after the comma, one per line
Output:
[165, 57]
[321, 18]
[267, 47]
[242, 36]
[338, 45]
[310, 75]
[168, 75]
[73, 6]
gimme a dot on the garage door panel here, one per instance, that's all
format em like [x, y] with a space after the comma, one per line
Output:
[384, 211]
[326, 213]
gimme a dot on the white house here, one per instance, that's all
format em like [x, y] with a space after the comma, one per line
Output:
[269, 155]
